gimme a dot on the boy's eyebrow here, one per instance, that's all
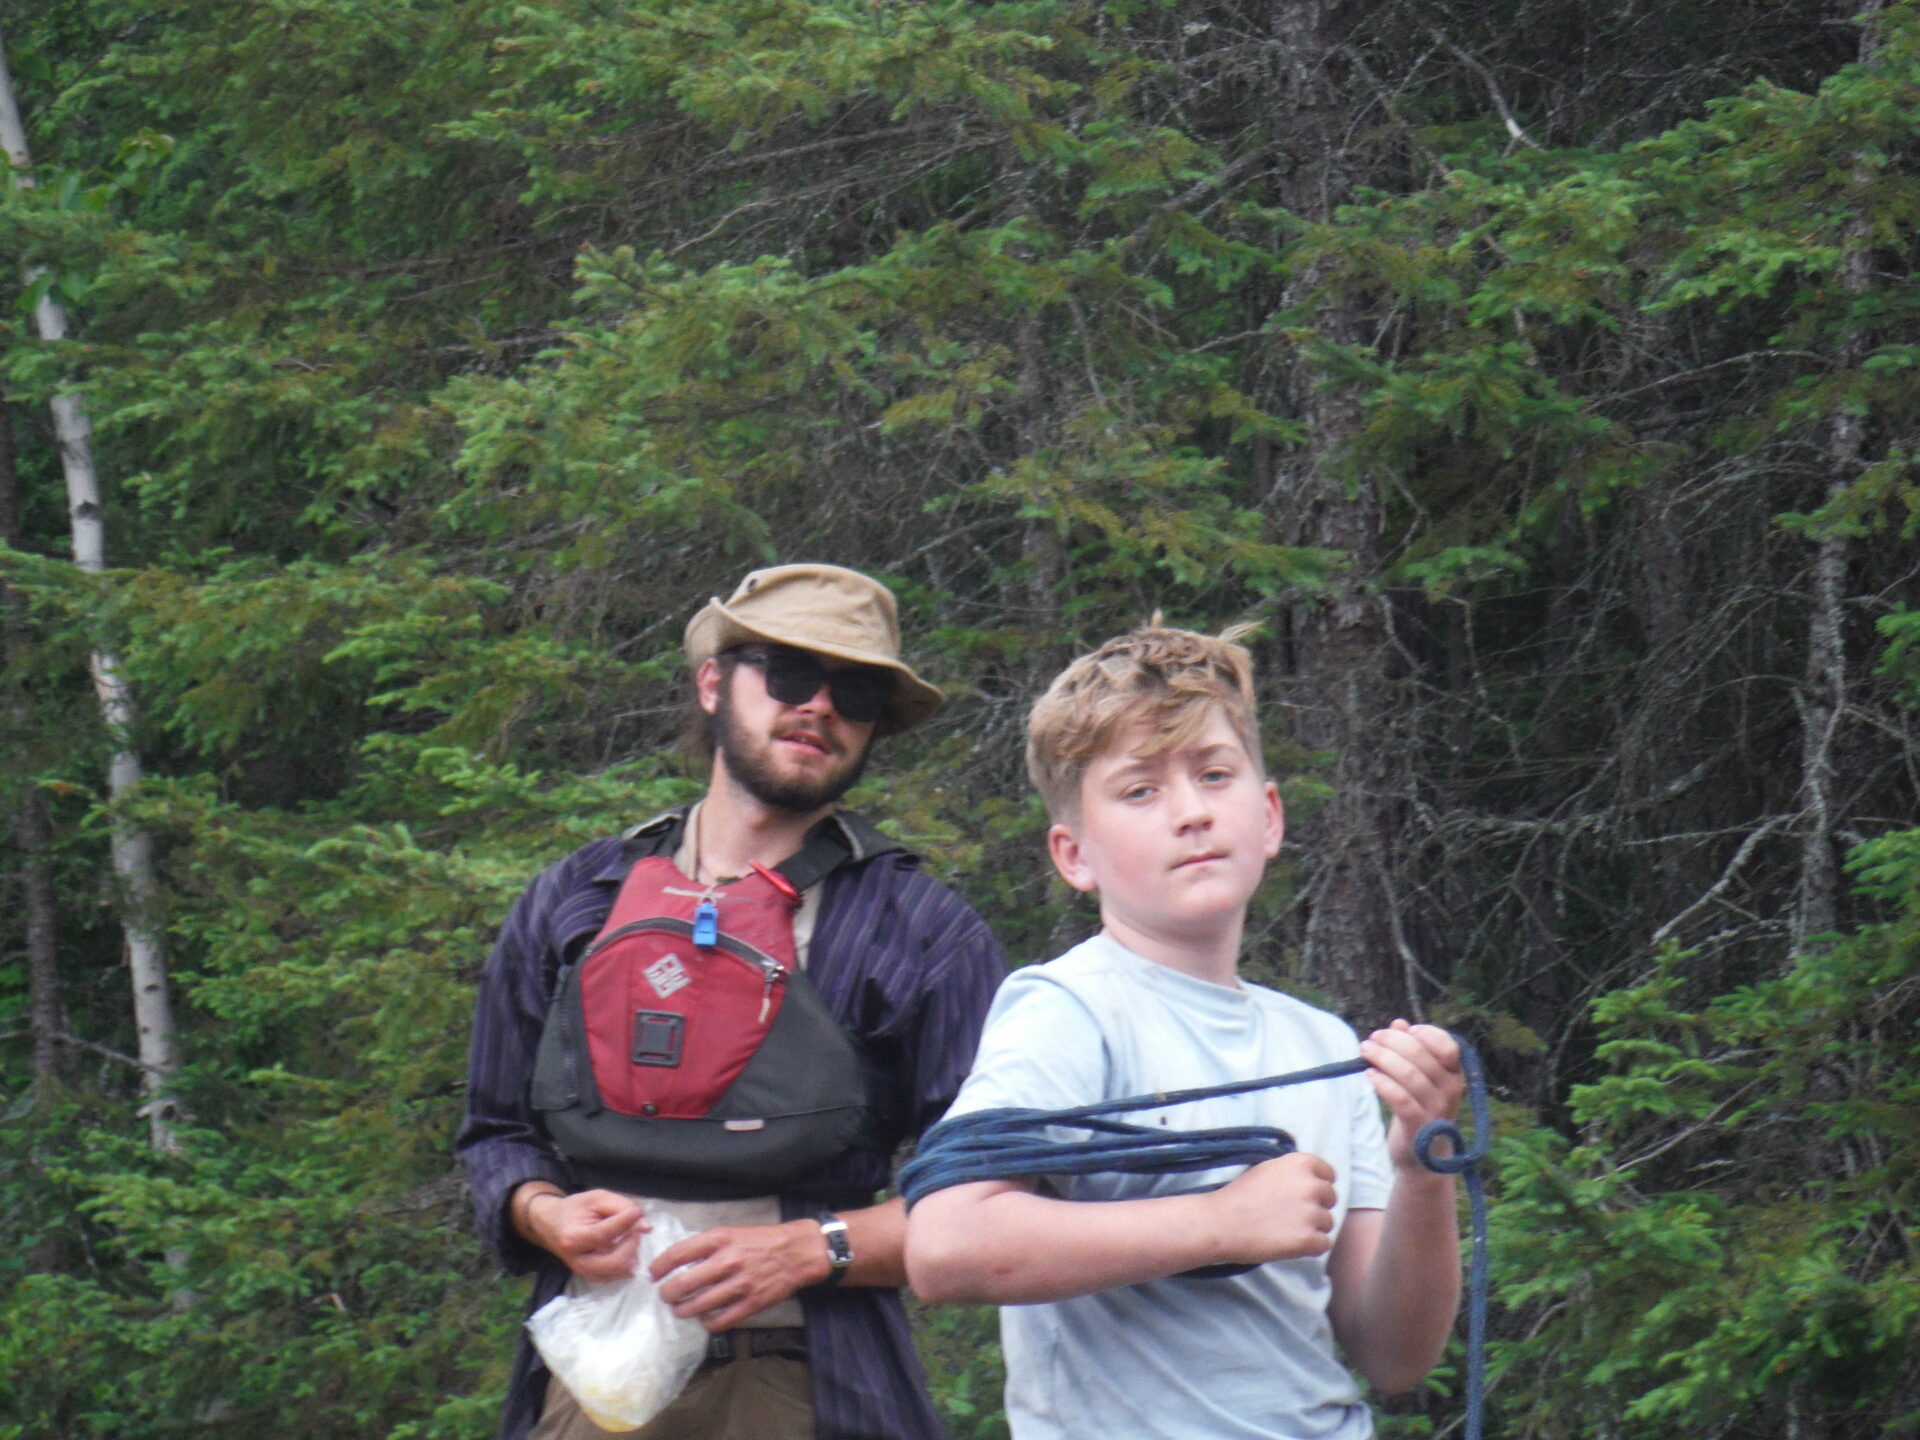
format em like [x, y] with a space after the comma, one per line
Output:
[1205, 753]
[1208, 753]
[1134, 764]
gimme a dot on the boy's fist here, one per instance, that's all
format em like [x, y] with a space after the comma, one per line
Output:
[1416, 1070]
[1277, 1210]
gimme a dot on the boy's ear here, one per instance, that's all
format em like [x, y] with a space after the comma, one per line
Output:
[1068, 858]
[1276, 821]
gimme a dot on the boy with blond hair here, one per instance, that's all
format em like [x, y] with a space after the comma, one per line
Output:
[1147, 754]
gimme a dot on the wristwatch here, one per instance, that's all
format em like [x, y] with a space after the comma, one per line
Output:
[839, 1247]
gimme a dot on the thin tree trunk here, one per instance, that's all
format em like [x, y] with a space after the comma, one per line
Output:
[31, 825]
[1823, 706]
[1822, 713]
[132, 850]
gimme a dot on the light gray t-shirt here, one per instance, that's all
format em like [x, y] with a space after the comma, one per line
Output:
[1249, 1357]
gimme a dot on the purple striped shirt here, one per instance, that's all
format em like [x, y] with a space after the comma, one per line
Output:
[901, 961]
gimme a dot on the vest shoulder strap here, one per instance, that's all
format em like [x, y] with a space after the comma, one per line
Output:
[842, 838]
[658, 836]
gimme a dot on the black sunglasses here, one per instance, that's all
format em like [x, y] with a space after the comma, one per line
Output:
[795, 677]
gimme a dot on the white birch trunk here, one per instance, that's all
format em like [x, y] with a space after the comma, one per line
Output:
[132, 850]
[1823, 711]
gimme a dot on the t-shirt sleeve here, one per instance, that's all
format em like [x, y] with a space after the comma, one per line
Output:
[1041, 1050]
[1369, 1171]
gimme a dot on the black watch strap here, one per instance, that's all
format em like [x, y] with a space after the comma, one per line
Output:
[839, 1245]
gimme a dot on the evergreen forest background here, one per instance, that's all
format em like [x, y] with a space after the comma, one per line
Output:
[1539, 373]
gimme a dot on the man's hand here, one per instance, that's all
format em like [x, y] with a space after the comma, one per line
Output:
[721, 1276]
[1277, 1210]
[1415, 1069]
[597, 1233]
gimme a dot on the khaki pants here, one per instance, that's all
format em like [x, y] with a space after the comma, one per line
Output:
[751, 1397]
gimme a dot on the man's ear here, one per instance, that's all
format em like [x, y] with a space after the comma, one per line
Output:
[707, 681]
[1069, 859]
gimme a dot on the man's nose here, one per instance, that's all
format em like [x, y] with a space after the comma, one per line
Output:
[820, 703]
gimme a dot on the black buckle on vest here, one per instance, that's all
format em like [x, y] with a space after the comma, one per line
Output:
[657, 1037]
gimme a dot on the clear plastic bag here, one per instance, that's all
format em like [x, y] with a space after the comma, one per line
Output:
[617, 1347]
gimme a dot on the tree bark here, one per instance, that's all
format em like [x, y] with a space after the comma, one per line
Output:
[1351, 946]
[132, 849]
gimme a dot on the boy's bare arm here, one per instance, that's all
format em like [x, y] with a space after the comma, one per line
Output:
[1396, 1272]
[998, 1242]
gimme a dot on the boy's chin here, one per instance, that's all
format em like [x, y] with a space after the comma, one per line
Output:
[1199, 926]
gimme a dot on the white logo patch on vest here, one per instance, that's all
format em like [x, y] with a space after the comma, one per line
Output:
[667, 975]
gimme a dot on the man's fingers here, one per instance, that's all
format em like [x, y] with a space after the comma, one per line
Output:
[604, 1265]
[712, 1294]
[708, 1300]
[592, 1222]
[610, 1262]
[604, 1234]
[693, 1248]
[594, 1204]
[722, 1311]
[684, 1283]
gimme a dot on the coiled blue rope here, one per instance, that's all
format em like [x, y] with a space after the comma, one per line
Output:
[1007, 1143]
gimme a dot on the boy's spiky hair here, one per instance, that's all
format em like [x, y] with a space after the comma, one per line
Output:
[1171, 679]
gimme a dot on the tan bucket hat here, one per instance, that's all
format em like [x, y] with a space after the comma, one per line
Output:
[827, 609]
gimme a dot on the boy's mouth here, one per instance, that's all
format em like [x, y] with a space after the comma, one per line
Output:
[1200, 859]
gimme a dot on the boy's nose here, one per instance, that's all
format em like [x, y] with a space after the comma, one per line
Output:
[1191, 807]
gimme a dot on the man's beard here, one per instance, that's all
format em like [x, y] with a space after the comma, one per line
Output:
[750, 768]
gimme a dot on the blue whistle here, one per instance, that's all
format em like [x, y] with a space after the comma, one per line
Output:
[706, 924]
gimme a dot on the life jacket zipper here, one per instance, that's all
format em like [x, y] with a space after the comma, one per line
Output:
[771, 970]
[776, 972]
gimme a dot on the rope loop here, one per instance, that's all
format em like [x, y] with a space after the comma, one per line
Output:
[1462, 1157]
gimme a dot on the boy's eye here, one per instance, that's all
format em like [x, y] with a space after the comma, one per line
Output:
[1216, 775]
[1136, 792]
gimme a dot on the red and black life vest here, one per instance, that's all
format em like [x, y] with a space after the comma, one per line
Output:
[686, 1055]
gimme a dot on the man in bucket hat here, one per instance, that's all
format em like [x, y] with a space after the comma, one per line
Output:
[795, 675]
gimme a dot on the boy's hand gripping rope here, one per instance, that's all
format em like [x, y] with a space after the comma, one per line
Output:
[1009, 1143]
